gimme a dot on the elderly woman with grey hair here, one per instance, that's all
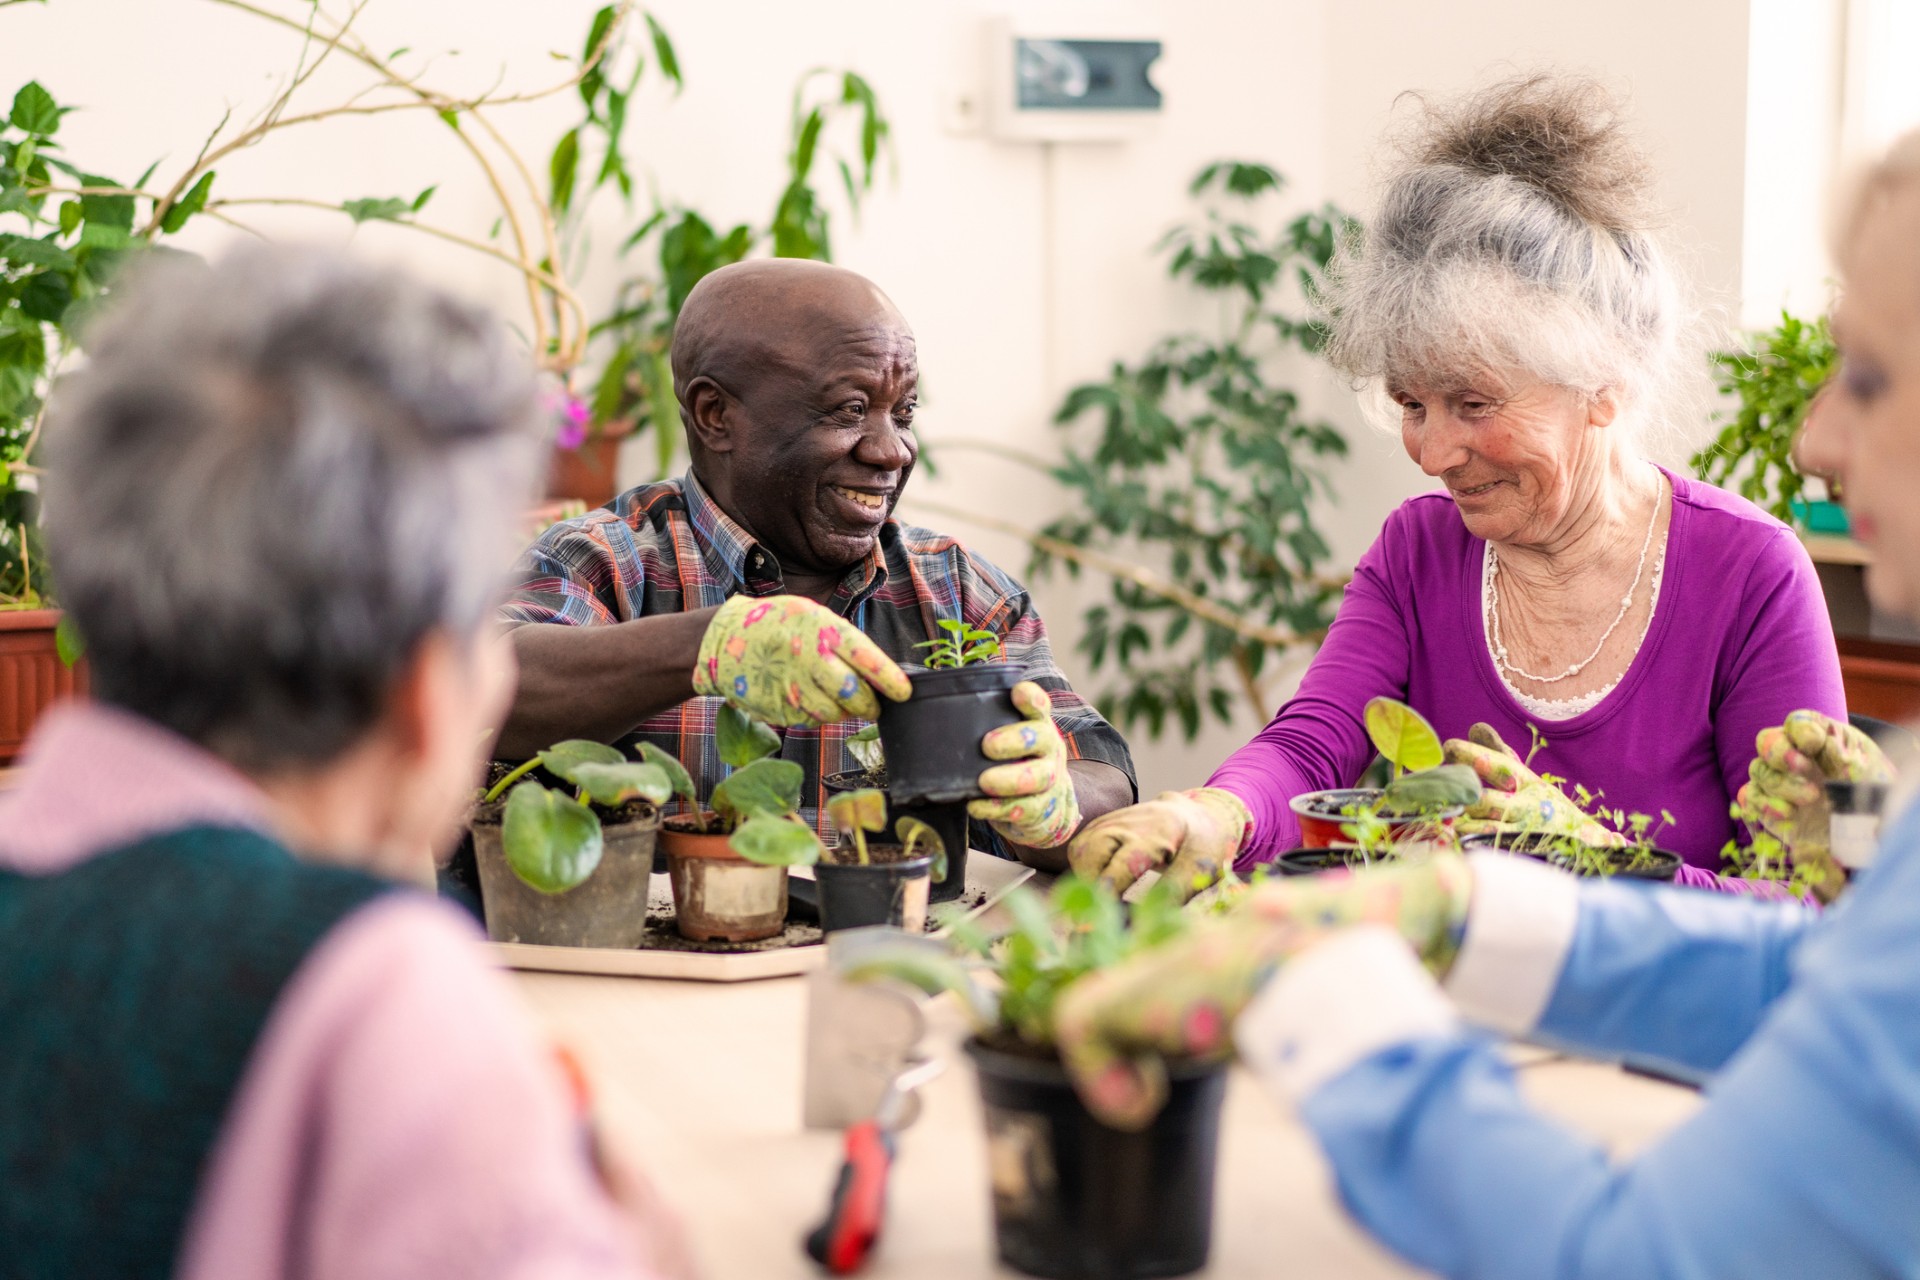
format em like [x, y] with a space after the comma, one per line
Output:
[1512, 301]
[280, 500]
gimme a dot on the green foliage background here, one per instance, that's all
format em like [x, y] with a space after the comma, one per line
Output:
[1773, 384]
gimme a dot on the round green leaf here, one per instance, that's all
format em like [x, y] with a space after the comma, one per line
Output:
[769, 787]
[552, 840]
[677, 776]
[771, 841]
[615, 784]
[742, 740]
[562, 758]
[1402, 735]
[865, 810]
[34, 110]
[916, 838]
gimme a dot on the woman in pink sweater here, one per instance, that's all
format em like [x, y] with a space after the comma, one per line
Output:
[279, 500]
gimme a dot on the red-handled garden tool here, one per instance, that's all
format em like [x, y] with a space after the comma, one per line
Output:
[842, 1242]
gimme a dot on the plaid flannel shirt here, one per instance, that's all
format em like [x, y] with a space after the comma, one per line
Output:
[668, 548]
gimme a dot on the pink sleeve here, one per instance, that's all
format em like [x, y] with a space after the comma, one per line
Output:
[401, 1117]
[1319, 738]
[1693, 877]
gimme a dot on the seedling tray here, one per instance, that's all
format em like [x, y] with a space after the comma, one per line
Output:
[665, 954]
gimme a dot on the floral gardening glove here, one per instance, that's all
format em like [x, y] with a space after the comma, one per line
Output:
[1190, 837]
[1515, 798]
[789, 661]
[1030, 801]
[1784, 793]
[1115, 1026]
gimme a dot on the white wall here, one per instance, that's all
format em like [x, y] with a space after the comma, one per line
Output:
[1021, 274]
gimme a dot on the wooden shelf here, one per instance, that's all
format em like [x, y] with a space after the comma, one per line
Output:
[1834, 548]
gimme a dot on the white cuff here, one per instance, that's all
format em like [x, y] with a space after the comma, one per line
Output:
[1336, 1003]
[1519, 930]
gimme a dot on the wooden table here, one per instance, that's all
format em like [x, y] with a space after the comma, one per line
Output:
[703, 1083]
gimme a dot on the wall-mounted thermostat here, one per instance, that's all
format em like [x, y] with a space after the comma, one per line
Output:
[1049, 83]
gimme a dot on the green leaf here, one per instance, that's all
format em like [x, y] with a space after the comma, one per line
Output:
[189, 204]
[776, 841]
[916, 838]
[552, 841]
[1402, 735]
[68, 643]
[664, 54]
[562, 168]
[562, 758]
[377, 209]
[925, 965]
[677, 776]
[741, 739]
[35, 253]
[805, 143]
[420, 201]
[46, 295]
[611, 785]
[864, 810]
[106, 212]
[765, 787]
[34, 110]
[69, 217]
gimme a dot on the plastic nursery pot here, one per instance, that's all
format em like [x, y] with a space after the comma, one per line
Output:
[1625, 863]
[1311, 862]
[607, 909]
[949, 822]
[888, 890]
[932, 740]
[1077, 1200]
[1854, 829]
[1321, 817]
[718, 896]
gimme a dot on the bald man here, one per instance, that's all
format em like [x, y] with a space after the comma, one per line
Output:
[773, 575]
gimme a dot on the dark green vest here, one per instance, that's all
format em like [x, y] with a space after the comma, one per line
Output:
[132, 989]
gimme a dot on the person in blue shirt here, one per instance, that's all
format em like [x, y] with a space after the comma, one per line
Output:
[1805, 1026]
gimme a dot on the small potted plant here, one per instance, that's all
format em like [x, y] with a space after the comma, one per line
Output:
[865, 882]
[949, 821]
[728, 865]
[932, 740]
[1419, 802]
[1073, 1197]
[571, 870]
[1615, 843]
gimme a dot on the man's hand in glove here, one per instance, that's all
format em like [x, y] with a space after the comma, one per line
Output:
[789, 661]
[1031, 799]
[1190, 837]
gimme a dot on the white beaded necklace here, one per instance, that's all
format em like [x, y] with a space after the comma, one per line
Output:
[1626, 605]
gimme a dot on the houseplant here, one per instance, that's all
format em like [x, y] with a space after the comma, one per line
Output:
[932, 740]
[1194, 474]
[1420, 800]
[729, 864]
[1073, 1197]
[948, 821]
[1773, 384]
[864, 882]
[571, 870]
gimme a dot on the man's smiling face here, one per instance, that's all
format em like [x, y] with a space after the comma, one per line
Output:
[799, 382]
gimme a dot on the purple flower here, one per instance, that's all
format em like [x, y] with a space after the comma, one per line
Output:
[571, 417]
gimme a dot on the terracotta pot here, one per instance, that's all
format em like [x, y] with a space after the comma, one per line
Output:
[588, 473]
[607, 909]
[32, 677]
[1322, 820]
[718, 896]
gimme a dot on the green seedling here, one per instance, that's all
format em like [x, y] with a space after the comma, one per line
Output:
[962, 646]
[758, 804]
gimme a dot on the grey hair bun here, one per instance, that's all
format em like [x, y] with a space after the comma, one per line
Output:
[1561, 135]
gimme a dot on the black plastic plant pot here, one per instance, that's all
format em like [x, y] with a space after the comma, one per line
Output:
[888, 890]
[949, 822]
[932, 740]
[1076, 1200]
[1311, 862]
[1625, 863]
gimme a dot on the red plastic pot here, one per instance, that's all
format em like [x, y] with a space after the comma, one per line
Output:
[1322, 820]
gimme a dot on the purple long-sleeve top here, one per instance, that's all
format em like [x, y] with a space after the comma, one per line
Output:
[1740, 637]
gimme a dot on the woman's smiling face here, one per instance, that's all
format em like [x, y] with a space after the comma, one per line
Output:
[1512, 455]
